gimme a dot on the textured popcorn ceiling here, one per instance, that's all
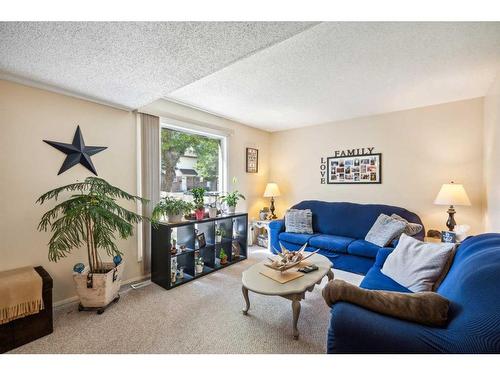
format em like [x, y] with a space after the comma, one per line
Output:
[129, 64]
[336, 71]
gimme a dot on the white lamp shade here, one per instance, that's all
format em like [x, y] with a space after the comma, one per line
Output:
[272, 190]
[452, 195]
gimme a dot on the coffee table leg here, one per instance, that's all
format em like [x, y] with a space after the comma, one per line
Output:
[247, 300]
[296, 313]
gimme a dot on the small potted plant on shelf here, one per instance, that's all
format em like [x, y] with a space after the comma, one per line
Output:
[223, 257]
[91, 217]
[199, 202]
[231, 199]
[219, 232]
[199, 264]
[171, 209]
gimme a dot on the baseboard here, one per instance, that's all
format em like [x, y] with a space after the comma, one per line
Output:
[124, 288]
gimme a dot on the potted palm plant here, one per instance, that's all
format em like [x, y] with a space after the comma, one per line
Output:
[199, 202]
[91, 217]
[171, 209]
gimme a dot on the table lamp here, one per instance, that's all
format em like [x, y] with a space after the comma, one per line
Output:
[453, 195]
[272, 190]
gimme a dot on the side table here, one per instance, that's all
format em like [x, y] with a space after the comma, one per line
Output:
[260, 228]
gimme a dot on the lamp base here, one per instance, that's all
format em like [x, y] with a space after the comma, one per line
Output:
[271, 208]
[450, 223]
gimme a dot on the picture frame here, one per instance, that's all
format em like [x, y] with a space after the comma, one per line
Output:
[201, 240]
[252, 160]
[448, 237]
[358, 169]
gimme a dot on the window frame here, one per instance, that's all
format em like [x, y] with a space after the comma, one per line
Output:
[192, 128]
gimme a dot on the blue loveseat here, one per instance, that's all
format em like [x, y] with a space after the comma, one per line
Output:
[339, 232]
[471, 285]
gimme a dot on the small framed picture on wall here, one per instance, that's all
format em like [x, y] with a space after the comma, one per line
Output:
[252, 160]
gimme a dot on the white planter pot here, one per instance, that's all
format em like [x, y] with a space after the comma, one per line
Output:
[104, 289]
[231, 209]
[212, 212]
[218, 238]
[174, 218]
[199, 268]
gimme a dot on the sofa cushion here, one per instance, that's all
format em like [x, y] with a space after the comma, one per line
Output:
[411, 229]
[297, 238]
[417, 265]
[376, 280]
[384, 230]
[363, 248]
[331, 242]
[298, 221]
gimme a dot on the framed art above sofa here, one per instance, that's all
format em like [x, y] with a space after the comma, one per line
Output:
[359, 169]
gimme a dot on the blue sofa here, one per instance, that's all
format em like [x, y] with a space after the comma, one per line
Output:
[471, 285]
[339, 232]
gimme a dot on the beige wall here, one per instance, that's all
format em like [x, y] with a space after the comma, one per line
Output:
[29, 168]
[252, 185]
[421, 149]
[492, 157]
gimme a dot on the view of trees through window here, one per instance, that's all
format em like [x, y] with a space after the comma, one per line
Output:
[187, 161]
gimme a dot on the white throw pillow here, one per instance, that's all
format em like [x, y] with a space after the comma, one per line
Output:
[411, 228]
[417, 265]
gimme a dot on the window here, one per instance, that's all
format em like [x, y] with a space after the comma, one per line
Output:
[190, 159]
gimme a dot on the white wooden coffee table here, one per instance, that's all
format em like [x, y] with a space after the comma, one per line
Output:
[294, 290]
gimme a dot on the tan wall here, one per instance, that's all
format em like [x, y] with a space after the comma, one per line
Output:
[421, 148]
[252, 185]
[492, 157]
[29, 167]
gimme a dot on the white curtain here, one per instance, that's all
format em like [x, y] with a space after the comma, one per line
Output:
[150, 178]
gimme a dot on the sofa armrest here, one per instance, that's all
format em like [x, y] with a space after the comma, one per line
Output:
[275, 228]
[382, 255]
[354, 329]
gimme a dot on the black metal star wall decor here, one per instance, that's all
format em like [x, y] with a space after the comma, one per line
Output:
[77, 152]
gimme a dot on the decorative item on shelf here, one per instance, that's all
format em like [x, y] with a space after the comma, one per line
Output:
[98, 286]
[212, 207]
[264, 213]
[117, 259]
[219, 233]
[453, 195]
[173, 248]
[173, 276]
[252, 165]
[448, 236]
[199, 202]
[200, 238]
[272, 190]
[78, 268]
[77, 152]
[170, 209]
[182, 248]
[223, 257]
[231, 199]
[287, 259]
[199, 264]
[180, 273]
[235, 249]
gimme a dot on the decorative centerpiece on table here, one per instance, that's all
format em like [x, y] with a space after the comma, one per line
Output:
[91, 217]
[288, 259]
[170, 209]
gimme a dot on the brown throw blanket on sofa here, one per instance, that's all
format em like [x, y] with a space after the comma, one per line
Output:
[427, 308]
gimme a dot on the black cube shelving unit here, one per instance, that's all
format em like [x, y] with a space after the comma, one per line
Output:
[235, 235]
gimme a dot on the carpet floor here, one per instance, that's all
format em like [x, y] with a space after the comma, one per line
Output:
[202, 316]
